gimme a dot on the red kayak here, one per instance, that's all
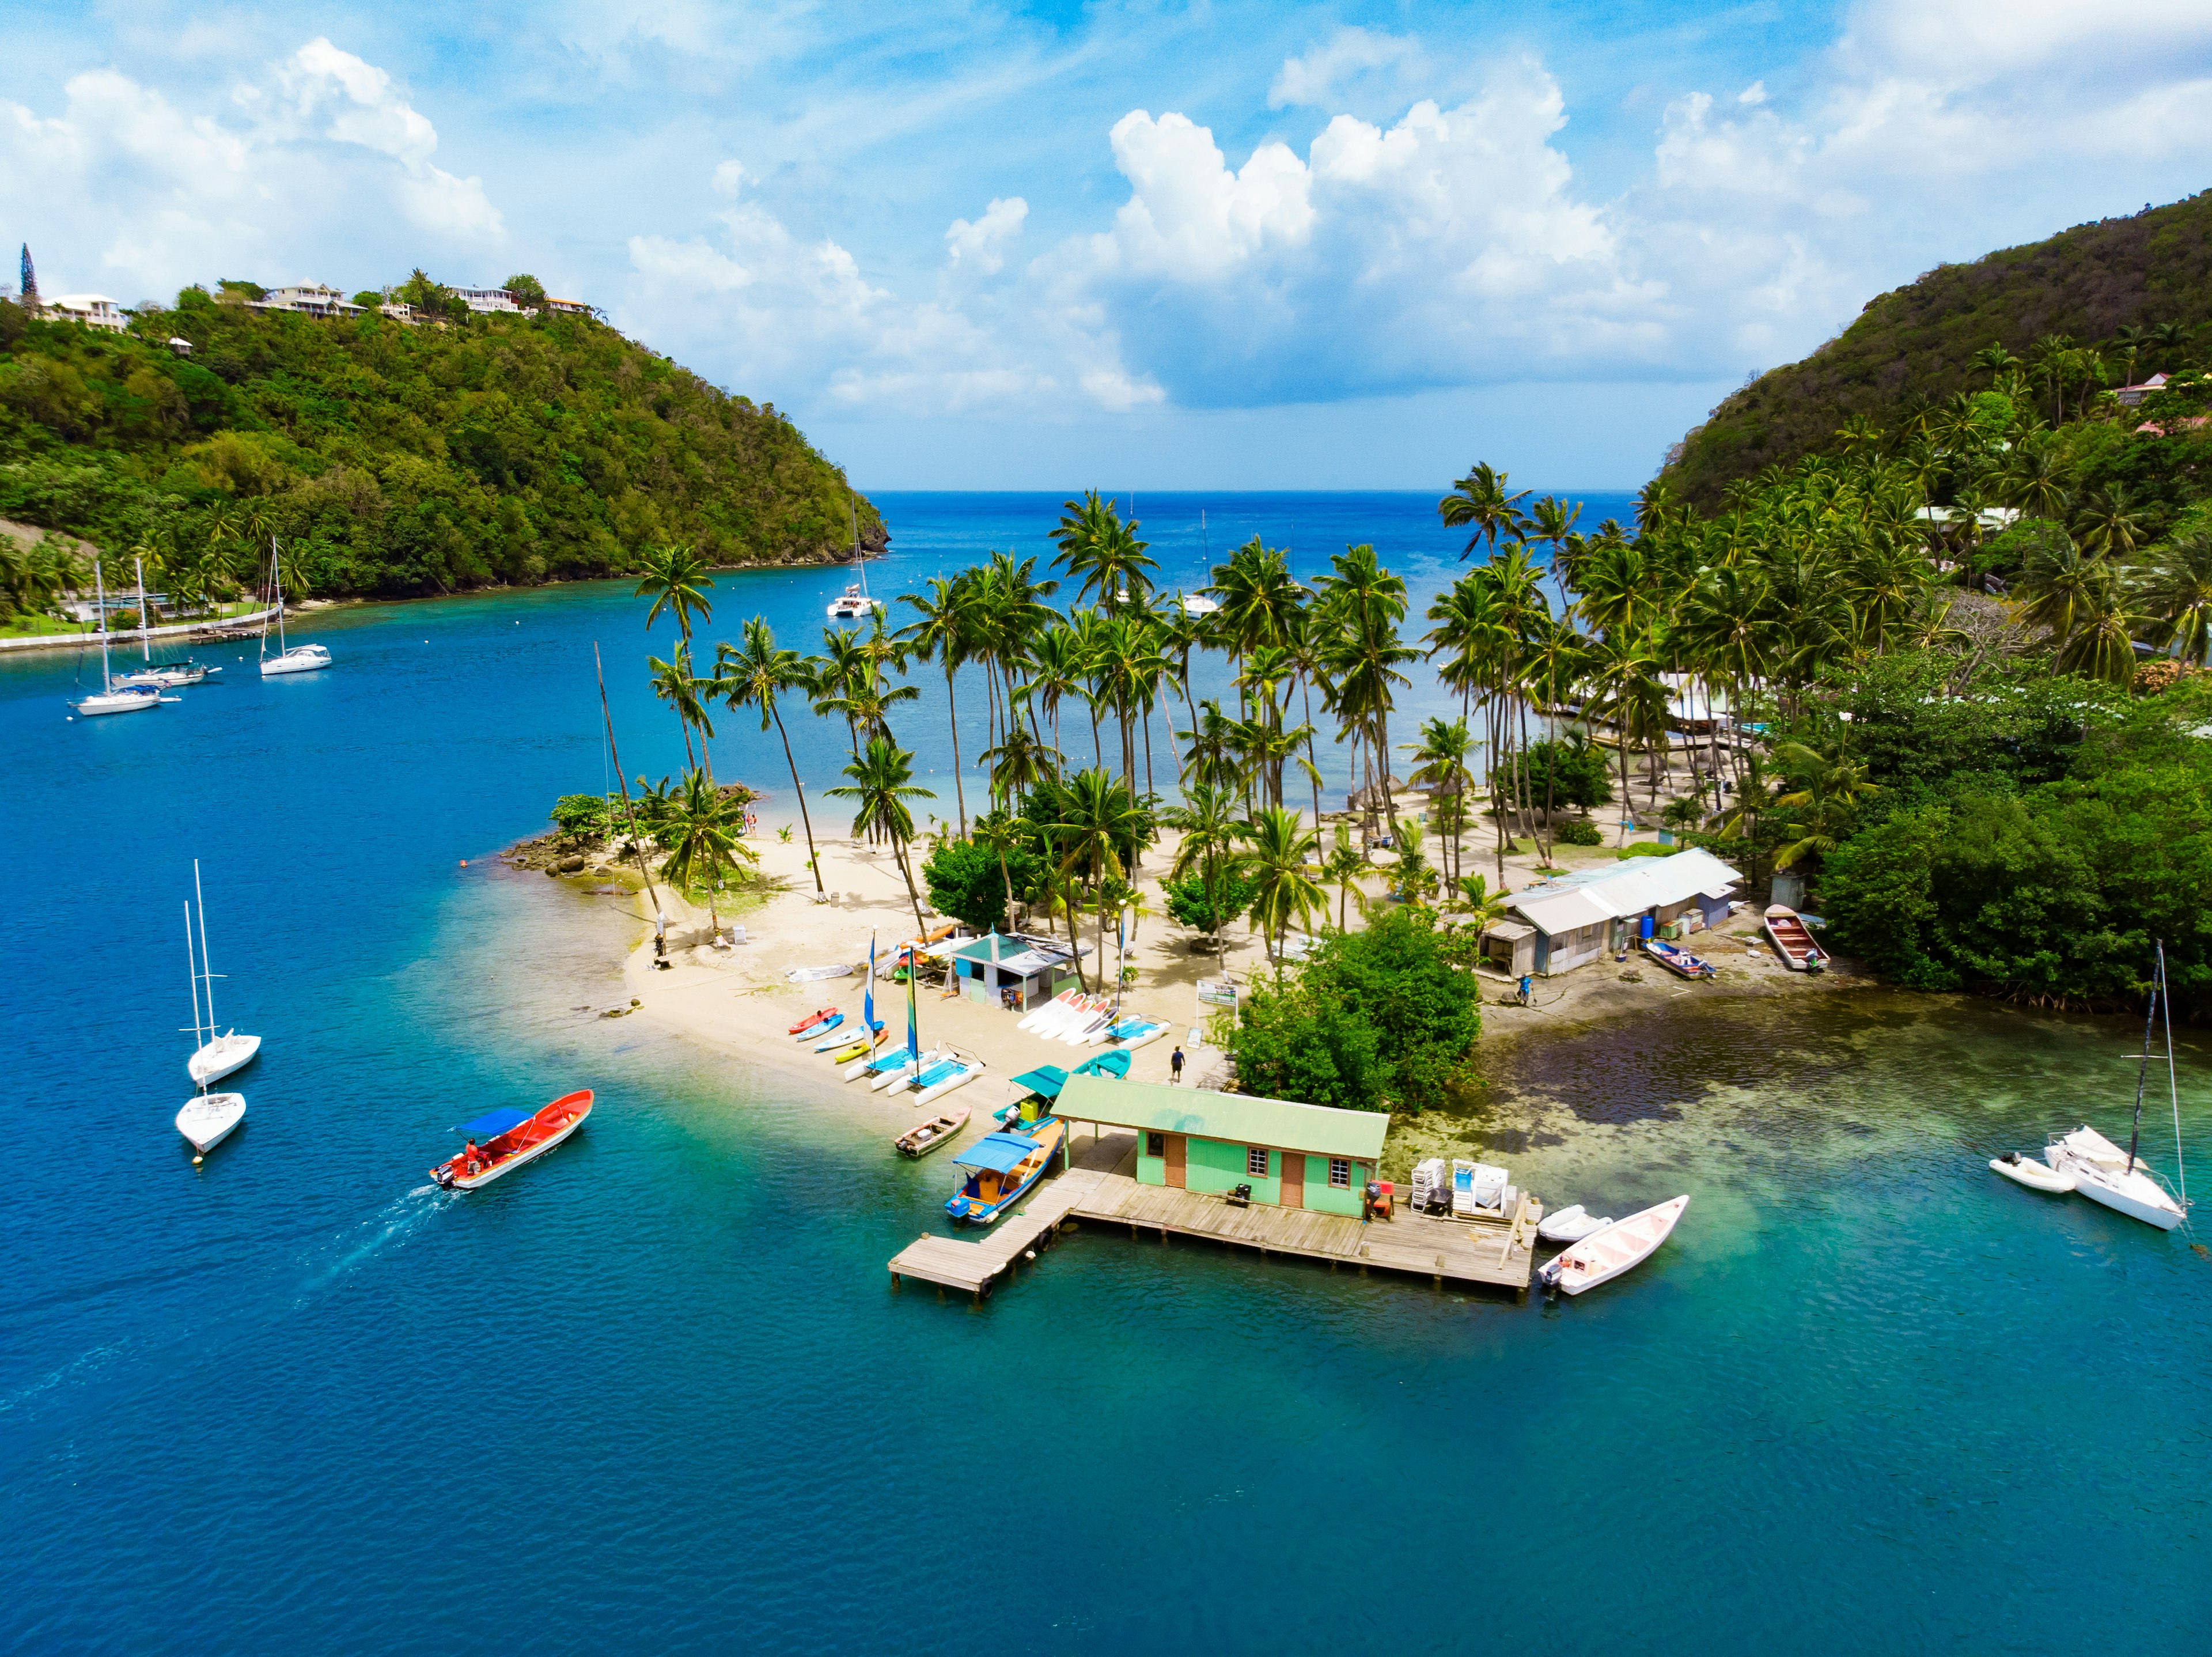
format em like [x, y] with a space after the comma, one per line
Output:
[511, 1138]
[814, 1017]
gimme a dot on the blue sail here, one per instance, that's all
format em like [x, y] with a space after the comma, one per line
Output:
[868, 996]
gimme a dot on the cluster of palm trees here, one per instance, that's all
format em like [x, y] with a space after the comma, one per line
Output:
[33, 577]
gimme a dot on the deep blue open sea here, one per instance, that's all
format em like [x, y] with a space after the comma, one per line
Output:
[653, 1394]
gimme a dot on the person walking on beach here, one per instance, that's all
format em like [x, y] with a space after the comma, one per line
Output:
[1175, 1063]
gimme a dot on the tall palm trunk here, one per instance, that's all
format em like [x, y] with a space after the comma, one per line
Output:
[959, 790]
[813, 860]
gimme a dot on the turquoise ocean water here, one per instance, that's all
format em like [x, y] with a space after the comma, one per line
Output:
[653, 1394]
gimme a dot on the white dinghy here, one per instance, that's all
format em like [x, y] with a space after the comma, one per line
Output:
[810, 974]
[1604, 1255]
[1570, 1225]
[2036, 1176]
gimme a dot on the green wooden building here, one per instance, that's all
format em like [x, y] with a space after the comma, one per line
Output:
[1292, 1155]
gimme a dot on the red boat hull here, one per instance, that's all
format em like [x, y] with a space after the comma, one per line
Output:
[525, 1141]
[814, 1017]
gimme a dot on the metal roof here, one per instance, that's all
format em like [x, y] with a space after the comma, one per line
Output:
[1621, 889]
[1232, 1118]
[997, 1151]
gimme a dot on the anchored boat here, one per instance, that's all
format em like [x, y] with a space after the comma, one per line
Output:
[1786, 931]
[938, 1131]
[1001, 1168]
[511, 1138]
[1604, 1255]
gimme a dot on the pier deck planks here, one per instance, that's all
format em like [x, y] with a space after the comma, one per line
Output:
[1484, 1253]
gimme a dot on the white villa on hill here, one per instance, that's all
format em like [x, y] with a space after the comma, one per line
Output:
[485, 300]
[94, 310]
[309, 298]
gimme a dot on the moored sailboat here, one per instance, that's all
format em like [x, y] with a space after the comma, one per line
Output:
[299, 658]
[112, 698]
[207, 1119]
[2119, 1180]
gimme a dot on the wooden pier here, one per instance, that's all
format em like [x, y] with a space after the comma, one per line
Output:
[1466, 1253]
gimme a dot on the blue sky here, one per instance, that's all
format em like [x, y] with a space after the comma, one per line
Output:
[1211, 246]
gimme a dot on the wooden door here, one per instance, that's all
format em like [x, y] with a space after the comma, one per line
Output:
[1174, 1159]
[1294, 1179]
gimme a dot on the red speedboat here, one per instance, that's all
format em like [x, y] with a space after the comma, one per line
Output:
[509, 1138]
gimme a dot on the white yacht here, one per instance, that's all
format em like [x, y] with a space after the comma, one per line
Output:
[219, 1055]
[853, 603]
[170, 675]
[207, 1119]
[113, 698]
[299, 658]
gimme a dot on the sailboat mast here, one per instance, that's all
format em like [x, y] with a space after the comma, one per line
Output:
[2172, 1084]
[145, 639]
[860, 569]
[2142, 1074]
[192, 974]
[207, 969]
[276, 582]
[100, 598]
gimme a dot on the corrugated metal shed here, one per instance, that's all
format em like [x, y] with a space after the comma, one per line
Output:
[1231, 1118]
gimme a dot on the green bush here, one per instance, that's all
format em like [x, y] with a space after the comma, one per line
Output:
[1386, 1019]
[1575, 771]
[1580, 832]
[965, 882]
[581, 815]
[1207, 907]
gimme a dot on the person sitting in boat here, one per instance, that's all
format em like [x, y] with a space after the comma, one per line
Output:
[471, 1156]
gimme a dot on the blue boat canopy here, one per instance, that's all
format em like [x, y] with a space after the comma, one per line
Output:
[997, 1153]
[492, 1123]
[1045, 1081]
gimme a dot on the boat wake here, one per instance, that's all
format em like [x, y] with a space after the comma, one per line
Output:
[389, 1227]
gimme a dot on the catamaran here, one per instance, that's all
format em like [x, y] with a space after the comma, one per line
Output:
[299, 658]
[218, 1055]
[207, 1119]
[112, 698]
[853, 603]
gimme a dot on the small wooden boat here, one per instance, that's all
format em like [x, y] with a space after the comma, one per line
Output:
[811, 1020]
[1787, 933]
[938, 1131]
[1570, 1225]
[2026, 1171]
[1676, 959]
[1604, 1255]
[513, 1137]
[1001, 1168]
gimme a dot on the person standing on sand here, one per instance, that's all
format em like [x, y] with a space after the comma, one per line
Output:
[1175, 1063]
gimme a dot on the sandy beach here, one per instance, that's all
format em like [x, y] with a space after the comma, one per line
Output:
[737, 1001]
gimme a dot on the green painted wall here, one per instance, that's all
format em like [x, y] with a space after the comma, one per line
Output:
[1212, 1166]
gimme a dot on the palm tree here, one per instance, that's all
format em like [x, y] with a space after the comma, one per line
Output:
[1625, 673]
[672, 682]
[1833, 784]
[1098, 815]
[1207, 821]
[1470, 896]
[1095, 544]
[1019, 765]
[1441, 768]
[1002, 834]
[1277, 845]
[2059, 585]
[754, 676]
[1362, 654]
[2176, 590]
[1344, 869]
[701, 832]
[1480, 500]
[2108, 521]
[882, 782]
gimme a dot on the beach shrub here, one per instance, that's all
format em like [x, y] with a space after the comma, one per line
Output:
[1383, 1019]
[1579, 831]
[965, 882]
[1574, 770]
[1208, 906]
[581, 815]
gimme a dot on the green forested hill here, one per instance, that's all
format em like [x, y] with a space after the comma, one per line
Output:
[2097, 285]
[396, 460]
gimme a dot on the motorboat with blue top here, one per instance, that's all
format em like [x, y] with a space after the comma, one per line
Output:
[1001, 1168]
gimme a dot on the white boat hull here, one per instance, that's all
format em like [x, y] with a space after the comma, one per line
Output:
[208, 1119]
[299, 659]
[218, 1058]
[117, 702]
[507, 1165]
[2036, 1176]
[938, 1090]
[1570, 1225]
[1621, 1246]
[1132, 1043]
[2103, 1174]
